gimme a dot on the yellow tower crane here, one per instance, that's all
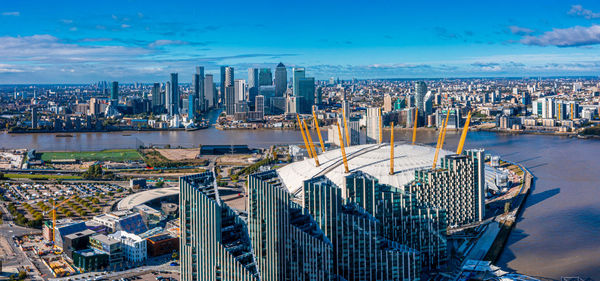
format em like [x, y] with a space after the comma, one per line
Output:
[348, 142]
[304, 137]
[441, 138]
[318, 132]
[53, 210]
[392, 150]
[463, 136]
[415, 126]
[343, 150]
[311, 145]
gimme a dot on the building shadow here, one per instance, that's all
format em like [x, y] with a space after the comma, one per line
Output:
[534, 199]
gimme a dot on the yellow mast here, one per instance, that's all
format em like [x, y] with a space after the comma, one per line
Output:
[392, 150]
[348, 142]
[310, 144]
[415, 126]
[304, 137]
[54, 206]
[318, 132]
[342, 147]
[463, 136]
[441, 138]
[380, 127]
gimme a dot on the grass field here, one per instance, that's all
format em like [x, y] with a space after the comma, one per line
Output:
[117, 155]
[37, 177]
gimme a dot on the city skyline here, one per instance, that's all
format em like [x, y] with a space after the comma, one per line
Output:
[80, 43]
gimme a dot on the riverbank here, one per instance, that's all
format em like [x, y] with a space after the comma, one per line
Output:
[508, 221]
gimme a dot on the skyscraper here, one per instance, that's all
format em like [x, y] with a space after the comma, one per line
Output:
[280, 80]
[114, 93]
[214, 243]
[306, 94]
[265, 77]
[240, 90]
[463, 197]
[158, 101]
[199, 95]
[230, 100]
[421, 90]
[373, 117]
[173, 107]
[286, 241]
[209, 91]
[298, 73]
[252, 84]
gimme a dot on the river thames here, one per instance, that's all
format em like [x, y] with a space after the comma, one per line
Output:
[558, 233]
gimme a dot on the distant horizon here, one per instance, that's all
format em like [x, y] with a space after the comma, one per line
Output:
[43, 42]
[589, 77]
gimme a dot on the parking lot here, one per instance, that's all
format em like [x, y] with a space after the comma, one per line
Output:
[35, 191]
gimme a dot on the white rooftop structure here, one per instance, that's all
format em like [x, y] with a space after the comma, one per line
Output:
[373, 159]
[143, 197]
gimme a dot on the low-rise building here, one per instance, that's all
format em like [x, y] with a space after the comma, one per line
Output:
[132, 246]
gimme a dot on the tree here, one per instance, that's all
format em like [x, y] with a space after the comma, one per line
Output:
[175, 256]
[1, 176]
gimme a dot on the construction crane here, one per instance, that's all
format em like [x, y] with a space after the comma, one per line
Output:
[441, 138]
[304, 137]
[348, 142]
[463, 136]
[343, 150]
[392, 150]
[318, 132]
[311, 145]
[380, 127]
[415, 126]
[53, 210]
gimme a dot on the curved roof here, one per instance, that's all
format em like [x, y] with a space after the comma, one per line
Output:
[373, 159]
[146, 196]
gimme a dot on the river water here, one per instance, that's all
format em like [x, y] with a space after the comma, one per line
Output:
[557, 235]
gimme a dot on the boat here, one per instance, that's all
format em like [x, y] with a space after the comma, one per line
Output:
[64, 136]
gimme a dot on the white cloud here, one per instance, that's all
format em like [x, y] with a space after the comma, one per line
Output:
[578, 10]
[159, 43]
[520, 30]
[7, 68]
[14, 14]
[567, 37]
[48, 49]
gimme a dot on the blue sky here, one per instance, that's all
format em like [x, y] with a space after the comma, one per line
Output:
[129, 40]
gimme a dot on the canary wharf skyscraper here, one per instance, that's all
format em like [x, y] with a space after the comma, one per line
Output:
[173, 100]
[280, 80]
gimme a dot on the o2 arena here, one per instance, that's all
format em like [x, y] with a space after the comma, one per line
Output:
[373, 159]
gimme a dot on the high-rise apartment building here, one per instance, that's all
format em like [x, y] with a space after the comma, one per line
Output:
[458, 187]
[421, 91]
[173, 101]
[373, 119]
[360, 251]
[280, 80]
[230, 100]
[287, 242]
[114, 92]
[387, 103]
[198, 90]
[209, 91]
[214, 243]
[240, 90]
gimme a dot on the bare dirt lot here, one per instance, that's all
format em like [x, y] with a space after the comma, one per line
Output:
[179, 154]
